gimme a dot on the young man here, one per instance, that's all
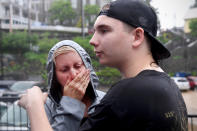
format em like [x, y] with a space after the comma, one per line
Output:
[146, 99]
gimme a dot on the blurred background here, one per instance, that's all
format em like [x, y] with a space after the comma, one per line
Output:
[29, 28]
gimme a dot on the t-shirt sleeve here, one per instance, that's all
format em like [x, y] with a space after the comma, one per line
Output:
[100, 120]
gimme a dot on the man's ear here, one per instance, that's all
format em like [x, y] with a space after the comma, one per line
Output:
[138, 34]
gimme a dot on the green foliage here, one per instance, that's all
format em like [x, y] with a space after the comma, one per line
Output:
[177, 57]
[45, 44]
[91, 11]
[194, 73]
[171, 74]
[84, 42]
[108, 76]
[18, 42]
[193, 27]
[163, 38]
[62, 11]
[37, 60]
[27, 61]
[79, 22]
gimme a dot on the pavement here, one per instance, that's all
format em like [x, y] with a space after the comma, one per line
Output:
[190, 98]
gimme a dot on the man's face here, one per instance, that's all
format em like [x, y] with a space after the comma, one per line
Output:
[111, 41]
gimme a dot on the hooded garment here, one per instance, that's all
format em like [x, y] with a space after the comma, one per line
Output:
[63, 110]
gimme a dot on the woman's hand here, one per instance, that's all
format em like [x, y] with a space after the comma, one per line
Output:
[77, 87]
[33, 97]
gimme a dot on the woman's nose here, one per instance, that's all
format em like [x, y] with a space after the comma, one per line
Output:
[73, 73]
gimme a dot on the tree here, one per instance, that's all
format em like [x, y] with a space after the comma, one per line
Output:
[62, 11]
[90, 13]
[17, 43]
[193, 27]
[164, 37]
[27, 61]
[37, 60]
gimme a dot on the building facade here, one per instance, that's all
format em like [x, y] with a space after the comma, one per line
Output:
[35, 12]
[190, 15]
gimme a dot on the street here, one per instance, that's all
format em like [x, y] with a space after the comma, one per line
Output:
[190, 98]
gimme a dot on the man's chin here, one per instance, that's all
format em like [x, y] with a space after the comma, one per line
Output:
[102, 62]
[105, 63]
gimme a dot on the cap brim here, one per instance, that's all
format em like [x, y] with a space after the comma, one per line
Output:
[158, 49]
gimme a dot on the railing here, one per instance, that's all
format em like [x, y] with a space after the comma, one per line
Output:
[12, 117]
[191, 117]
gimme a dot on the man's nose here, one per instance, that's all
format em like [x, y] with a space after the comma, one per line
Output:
[93, 40]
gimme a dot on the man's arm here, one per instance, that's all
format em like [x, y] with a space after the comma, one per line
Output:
[33, 102]
[39, 121]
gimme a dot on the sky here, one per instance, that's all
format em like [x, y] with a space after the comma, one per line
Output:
[172, 12]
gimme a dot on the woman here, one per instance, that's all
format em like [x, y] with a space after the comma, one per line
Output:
[66, 60]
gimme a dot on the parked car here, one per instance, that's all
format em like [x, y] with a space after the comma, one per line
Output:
[192, 82]
[182, 83]
[14, 119]
[5, 85]
[20, 86]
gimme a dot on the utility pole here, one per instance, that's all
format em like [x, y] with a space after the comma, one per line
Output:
[44, 11]
[11, 13]
[29, 17]
[1, 55]
[82, 19]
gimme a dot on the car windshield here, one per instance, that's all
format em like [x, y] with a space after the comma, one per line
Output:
[15, 116]
[21, 86]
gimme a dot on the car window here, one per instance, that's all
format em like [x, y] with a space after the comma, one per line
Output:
[4, 86]
[182, 80]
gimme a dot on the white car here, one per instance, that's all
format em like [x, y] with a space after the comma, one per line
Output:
[182, 83]
[20, 86]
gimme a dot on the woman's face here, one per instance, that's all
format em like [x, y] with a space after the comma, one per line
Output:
[68, 65]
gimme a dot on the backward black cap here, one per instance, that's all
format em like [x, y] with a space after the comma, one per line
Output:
[138, 14]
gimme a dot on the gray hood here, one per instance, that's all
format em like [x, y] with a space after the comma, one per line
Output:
[55, 92]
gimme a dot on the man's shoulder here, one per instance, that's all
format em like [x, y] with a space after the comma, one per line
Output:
[145, 78]
[145, 84]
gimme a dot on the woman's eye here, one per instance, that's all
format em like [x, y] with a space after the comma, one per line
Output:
[104, 30]
[77, 66]
[64, 70]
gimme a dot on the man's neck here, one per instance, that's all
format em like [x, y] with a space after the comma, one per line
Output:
[131, 69]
